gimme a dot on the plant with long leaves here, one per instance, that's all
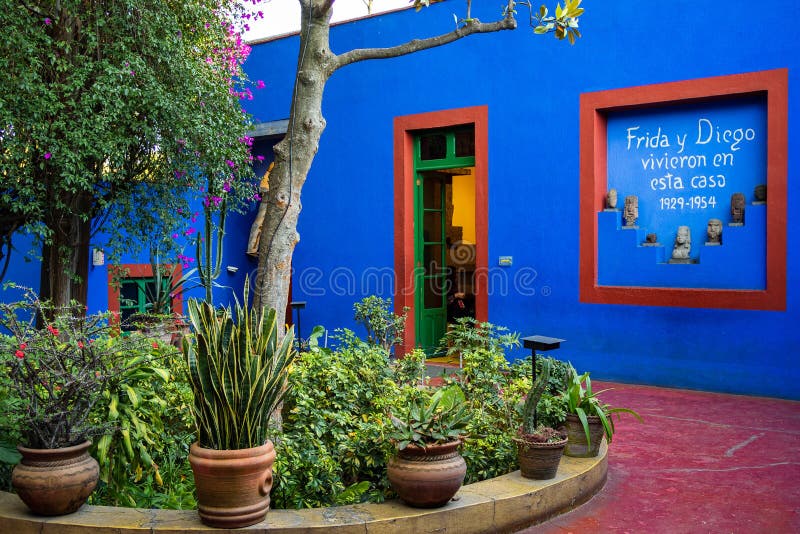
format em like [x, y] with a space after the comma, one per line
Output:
[238, 366]
[583, 402]
[432, 419]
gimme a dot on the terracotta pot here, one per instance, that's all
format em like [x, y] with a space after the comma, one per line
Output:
[55, 481]
[576, 437]
[233, 485]
[429, 477]
[539, 461]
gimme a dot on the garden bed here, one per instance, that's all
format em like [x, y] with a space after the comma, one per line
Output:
[502, 504]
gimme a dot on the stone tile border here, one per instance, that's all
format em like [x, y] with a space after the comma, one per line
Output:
[503, 504]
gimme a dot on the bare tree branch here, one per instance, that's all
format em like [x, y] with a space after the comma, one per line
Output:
[361, 54]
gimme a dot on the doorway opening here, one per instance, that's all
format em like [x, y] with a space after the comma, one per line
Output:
[441, 221]
[445, 239]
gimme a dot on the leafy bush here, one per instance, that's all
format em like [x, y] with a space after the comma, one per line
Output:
[384, 327]
[143, 456]
[333, 447]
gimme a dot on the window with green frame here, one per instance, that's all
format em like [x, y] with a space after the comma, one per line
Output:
[136, 295]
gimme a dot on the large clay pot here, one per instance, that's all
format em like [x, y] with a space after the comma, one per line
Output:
[576, 437]
[55, 481]
[427, 477]
[539, 461]
[232, 485]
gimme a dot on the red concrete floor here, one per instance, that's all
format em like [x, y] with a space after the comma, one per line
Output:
[700, 462]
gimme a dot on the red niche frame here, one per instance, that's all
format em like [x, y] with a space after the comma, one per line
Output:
[404, 129]
[594, 110]
[139, 270]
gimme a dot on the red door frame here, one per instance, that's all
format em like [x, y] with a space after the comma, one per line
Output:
[404, 129]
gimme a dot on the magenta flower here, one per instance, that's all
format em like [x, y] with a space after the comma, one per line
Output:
[47, 155]
[48, 21]
[260, 158]
[230, 163]
[226, 187]
[260, 84]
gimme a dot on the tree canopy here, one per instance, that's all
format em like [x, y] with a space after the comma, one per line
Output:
[110, 113]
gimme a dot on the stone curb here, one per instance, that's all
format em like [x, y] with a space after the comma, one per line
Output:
[503, 504]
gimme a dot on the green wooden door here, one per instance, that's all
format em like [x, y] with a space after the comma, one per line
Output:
[435, 152]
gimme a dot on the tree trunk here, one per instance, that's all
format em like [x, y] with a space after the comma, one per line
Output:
[293, 158]
[65, 261]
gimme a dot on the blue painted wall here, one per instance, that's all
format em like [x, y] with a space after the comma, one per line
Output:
[531, 85]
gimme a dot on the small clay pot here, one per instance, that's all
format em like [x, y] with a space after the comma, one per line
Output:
[576, 437]
[539, 461]
[427, 477]
[232, 485]
[55, 481]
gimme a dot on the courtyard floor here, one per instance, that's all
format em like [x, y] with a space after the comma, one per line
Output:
[700, 462]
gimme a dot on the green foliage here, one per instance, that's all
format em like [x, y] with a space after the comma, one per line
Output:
[467, 334]
[237, 370]
[564, 23]
[333, 447]
[583, 402]
[410, 369]
[432, 418]
[146, 411]
[384, 327]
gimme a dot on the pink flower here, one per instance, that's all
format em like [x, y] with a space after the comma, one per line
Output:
[19, 354]
[226, 187]
[48, 21]
[174, 236]
[47, 155]
[260, 158]
[260, 84]
[230, 163]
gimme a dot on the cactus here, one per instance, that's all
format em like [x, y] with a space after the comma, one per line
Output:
[209, 263]
[534, 395]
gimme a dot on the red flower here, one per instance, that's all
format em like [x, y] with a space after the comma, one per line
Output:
[80, 344]
[23, 346]
[52, 330]
[19, 354]
[155, 345]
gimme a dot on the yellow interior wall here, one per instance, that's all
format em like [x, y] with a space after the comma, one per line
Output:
[464, 205]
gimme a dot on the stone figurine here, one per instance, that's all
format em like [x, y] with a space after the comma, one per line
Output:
[611, 199]
[683, 244]
[651, 238]
[631, 213]
[737, 209]
[760, 193]
[714, 232]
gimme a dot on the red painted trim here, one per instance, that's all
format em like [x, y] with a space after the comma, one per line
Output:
[594, 107]
[139, 270]
[404, 128]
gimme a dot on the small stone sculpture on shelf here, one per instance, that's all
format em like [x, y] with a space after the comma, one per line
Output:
[683, 246]
[611, 200]
[737, 209]
[714, 232]
[760, 194]
[631, 213]
[651, 240]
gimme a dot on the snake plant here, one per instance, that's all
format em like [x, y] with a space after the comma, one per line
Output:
[237, 369]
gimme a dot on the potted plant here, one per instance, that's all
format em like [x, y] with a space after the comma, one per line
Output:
[588, 418]
[539, 447]
[237, 370]
[428, 469]
[58, 373]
